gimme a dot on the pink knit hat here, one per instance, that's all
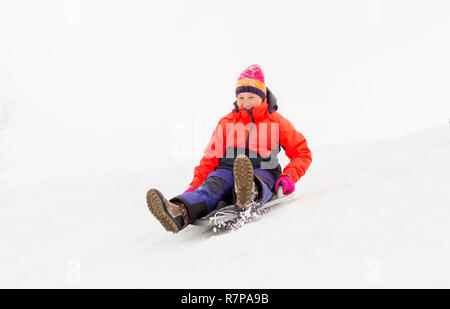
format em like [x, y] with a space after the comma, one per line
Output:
[252, 80]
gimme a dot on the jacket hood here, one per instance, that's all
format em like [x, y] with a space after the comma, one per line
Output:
[271, 101]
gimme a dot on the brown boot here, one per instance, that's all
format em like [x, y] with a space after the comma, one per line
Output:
[244, 185]
[173, 216]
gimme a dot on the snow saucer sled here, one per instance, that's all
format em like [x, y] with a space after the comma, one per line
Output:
[233, 216]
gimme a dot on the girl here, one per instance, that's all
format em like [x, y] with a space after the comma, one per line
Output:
[240, 163]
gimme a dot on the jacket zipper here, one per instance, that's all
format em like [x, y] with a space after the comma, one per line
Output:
[247, 143]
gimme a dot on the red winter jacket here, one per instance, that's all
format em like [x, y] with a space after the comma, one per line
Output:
[259, 134]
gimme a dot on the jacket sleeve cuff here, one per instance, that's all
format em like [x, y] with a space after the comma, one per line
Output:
[295, 179]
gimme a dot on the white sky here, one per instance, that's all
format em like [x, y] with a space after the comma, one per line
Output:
[101, 85]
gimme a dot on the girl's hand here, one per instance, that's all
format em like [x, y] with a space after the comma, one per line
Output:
[287, 184]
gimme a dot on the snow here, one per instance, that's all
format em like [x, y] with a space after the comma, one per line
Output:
[366, 215]
[102, 100]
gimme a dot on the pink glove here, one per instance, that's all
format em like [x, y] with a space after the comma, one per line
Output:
[287, 184]
[191, 188]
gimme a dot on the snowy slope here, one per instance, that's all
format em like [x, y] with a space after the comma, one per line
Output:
[366, 215]
[102, 100]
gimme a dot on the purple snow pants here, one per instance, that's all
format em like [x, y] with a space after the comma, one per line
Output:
[217, 187]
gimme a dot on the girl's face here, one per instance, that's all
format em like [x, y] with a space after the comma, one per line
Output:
[248, 100]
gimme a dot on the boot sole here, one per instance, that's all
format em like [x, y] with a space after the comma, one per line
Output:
[243, 177]
[156, 205]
